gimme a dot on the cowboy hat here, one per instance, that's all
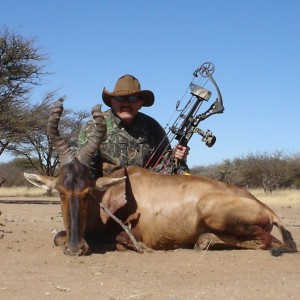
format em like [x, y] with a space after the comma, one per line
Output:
[125, 86]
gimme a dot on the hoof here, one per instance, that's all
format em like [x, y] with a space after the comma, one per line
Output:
[60, 238]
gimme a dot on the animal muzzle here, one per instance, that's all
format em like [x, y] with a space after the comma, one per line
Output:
[71, 247]
[76, 248]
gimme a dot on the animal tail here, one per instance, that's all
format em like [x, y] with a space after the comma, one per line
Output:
[289, 246]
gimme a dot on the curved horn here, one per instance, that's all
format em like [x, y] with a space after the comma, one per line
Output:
[98, 135]
[65, 154]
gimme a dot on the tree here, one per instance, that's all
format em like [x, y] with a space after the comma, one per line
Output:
[266, 171]
[11, 174]
[21, 68]
[33, 141]
[227, 171]
[294, 171]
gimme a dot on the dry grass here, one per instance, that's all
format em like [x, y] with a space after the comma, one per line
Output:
[278, 196]
[24, 192]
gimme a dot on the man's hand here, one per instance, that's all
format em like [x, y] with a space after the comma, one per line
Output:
[181, 152]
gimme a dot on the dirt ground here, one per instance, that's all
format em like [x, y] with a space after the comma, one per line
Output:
[33, 268]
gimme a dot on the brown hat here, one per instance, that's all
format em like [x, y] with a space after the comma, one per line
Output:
[128, 85]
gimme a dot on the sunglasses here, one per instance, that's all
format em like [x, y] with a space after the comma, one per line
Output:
[130, 99]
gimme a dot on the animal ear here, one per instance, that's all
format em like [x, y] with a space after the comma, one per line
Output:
[111, 203]
[103, 183]
[114, 198]
[41, 181]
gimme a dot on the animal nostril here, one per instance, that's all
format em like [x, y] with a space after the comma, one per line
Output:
[79, 252]
[67, 251]
[82, 249]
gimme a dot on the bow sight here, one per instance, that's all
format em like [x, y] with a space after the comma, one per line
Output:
[186, 124]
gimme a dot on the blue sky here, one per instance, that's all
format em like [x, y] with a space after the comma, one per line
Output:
[254, 46]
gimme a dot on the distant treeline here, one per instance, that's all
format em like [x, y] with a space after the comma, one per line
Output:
[266, 171]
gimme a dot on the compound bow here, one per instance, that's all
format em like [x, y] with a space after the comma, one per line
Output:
[190, 120]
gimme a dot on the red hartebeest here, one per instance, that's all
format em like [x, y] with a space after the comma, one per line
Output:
[162, 211]
[73, 183]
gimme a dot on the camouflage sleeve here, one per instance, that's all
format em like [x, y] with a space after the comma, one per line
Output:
[170, 166]
[183, 168]
[164, 151]
[85, 133]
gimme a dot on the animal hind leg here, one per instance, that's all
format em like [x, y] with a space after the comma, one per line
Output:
[244, 237]
[255, 237]
[216, 241]
[288, 245]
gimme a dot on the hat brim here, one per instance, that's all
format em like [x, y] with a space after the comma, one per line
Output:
[147, 96]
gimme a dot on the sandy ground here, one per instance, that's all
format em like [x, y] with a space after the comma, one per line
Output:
[33, 268]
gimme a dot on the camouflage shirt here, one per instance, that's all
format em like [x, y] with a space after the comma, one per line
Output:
[125, 145]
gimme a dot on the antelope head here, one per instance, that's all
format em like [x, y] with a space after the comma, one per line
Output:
[73, 183]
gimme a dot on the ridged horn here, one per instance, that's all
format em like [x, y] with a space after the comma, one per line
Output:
[86, 154]
[65, 154]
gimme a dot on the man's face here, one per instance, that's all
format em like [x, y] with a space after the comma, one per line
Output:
[126, 107]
